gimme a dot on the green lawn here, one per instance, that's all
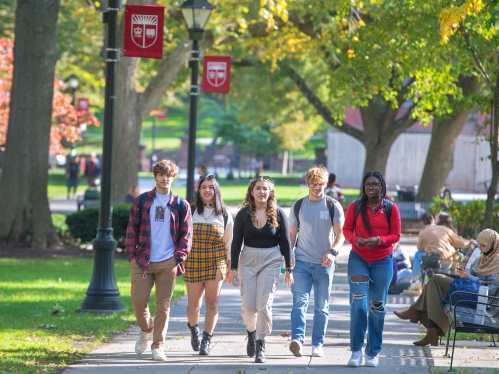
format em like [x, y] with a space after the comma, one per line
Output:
[170, 130]
[57, 184]
[40, 332]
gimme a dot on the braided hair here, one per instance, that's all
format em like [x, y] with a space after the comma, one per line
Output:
[363, 199]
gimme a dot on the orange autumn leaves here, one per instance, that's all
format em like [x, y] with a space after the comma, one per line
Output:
[66, 120]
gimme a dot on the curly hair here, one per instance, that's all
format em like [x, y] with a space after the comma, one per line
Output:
[165, 167]
[271, 211]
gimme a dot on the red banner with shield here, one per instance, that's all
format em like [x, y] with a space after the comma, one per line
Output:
[144, 31]
[216, 74]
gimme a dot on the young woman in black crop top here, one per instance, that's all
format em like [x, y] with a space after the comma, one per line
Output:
[263, 229]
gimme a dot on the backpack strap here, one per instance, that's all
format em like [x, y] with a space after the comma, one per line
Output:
[387, 206]
[330, 206]
[297, 211]
[142, 201]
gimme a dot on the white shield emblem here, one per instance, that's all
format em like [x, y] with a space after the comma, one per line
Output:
[217, 73]
[144, 30]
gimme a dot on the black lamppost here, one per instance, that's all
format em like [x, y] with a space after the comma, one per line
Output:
[196, 14]
[73, 84]
[102, 294]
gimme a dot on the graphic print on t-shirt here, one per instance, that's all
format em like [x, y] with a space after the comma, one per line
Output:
[159, 215]
[325, 214]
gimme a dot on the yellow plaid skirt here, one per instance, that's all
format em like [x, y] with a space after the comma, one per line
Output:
[207, 255]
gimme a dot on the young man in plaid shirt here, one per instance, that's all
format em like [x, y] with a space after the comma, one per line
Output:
[158, 240]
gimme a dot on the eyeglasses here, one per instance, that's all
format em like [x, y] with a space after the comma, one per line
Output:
[207, 177]
[316, 185]
[371, 185]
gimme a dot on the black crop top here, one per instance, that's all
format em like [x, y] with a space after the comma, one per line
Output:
[266, 237]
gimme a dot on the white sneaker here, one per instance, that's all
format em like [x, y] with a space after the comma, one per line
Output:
[372, 361]
[415, 286]
[317, 351]
[355, 359]
[296, 347]
[158, 354]
[141, 344]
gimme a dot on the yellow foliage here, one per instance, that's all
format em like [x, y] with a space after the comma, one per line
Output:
[450, 18]
[473, 6]
[449, 21]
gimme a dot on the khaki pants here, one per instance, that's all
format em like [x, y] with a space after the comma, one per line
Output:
[259, 273]
[162, 274]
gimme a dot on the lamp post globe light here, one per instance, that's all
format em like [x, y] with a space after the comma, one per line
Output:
[196, 14]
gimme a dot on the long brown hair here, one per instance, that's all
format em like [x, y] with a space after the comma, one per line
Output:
[271, 210]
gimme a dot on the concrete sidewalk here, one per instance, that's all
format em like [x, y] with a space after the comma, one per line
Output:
[228, 353]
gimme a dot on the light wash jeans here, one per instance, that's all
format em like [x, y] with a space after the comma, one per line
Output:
[308, 274]
[367, 301]
[416, 268]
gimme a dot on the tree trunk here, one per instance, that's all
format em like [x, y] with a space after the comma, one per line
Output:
[492, 191]
[132, 107]
[440, 157]
[377, 157]
[24, 205]
[381, 124]
[284, 169]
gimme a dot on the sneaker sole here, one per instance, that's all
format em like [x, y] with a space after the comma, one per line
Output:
[294, 347]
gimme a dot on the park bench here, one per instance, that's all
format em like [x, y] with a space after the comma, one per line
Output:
[465, 319]
[463, 259]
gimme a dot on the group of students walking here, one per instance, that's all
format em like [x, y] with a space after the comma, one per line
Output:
[167, 237]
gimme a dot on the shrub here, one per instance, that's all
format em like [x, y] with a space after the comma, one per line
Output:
[83, 224]
[467, 217]
[59, 222]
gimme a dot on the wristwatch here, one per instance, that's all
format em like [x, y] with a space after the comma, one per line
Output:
[379, 240]
[289, 270]
[334, 252]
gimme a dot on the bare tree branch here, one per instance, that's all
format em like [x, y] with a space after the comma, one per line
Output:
[324, 111]
[476, 58]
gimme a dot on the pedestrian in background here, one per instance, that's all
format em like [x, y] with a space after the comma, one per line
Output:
[93, 169]
[73, 175]
[206, 266]
[372, 226]
[263, 229]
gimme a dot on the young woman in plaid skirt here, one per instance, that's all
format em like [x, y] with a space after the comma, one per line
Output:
[263, 227]
[206, 266]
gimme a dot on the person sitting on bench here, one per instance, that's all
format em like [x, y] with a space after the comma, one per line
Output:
[426, 309]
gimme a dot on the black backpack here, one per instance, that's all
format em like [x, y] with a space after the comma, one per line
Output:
[387, 206]
[330, 206]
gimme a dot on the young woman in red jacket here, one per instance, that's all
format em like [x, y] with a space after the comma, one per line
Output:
[370, 267]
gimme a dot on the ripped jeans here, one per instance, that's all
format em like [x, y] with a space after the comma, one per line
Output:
[368, 301]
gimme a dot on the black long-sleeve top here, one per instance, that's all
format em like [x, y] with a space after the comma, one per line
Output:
[266, 237]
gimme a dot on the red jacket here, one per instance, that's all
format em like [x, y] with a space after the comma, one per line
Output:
[379, 225]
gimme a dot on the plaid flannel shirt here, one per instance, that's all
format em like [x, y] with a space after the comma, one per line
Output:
[138, 233]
